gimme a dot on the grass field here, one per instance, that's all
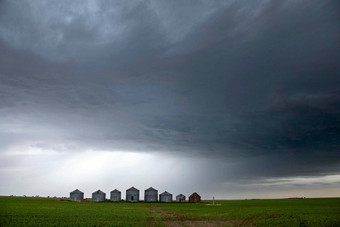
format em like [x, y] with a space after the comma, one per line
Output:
[16, 211]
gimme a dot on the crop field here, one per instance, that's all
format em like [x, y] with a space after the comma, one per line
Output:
[18, 211]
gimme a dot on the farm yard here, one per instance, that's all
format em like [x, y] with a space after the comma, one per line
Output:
[20, 211]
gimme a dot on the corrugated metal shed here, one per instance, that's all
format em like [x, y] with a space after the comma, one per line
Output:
[151, 195]
[180, 198]
[132, 194]
[165, 197]
[115, 196]
[98, 196]
[76, 195]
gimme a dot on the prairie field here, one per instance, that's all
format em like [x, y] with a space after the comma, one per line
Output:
[19, 211]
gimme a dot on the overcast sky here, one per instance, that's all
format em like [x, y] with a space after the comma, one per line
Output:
[232, 99]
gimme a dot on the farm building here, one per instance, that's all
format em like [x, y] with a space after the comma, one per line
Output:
[165, 197]
[98, 196]
[132, 195]
[180, 198]
[76, 195]
[151, 195]
[115, 195]
[194, 198]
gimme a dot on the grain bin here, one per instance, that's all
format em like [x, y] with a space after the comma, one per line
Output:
[115, 196]
[76, 195]
[165, 197]
[132, 194]
[98, 196]
[151, 195]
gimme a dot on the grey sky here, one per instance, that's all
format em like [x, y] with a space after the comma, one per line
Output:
[228, 98]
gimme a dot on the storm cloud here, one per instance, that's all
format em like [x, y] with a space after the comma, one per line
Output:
[250, 86]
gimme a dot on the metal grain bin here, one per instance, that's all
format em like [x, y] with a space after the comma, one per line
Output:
[165, 197]
[180, 198]
[115, 195]
[98, 196]
[76, 195]
[132, 194]
[150, 195]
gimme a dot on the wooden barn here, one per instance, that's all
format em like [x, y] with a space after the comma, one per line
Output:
[180, 198]
[194, 198]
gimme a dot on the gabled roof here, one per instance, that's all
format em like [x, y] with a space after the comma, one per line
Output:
[166, 193]
[115, 190]
[98, 192]
[132, 189]
[151, 189]
[77, 192]
[194, 194]
[181, 195]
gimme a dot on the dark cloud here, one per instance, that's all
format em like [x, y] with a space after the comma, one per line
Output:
[252, 81]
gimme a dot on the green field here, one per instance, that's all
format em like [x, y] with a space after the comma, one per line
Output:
[16, 211]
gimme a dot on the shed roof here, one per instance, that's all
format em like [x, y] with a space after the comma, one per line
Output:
[166, 193]
[151, 189]
[98, 192]
[77, 192]
[132, 189]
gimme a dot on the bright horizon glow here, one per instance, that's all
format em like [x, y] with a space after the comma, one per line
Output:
[90, 170]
